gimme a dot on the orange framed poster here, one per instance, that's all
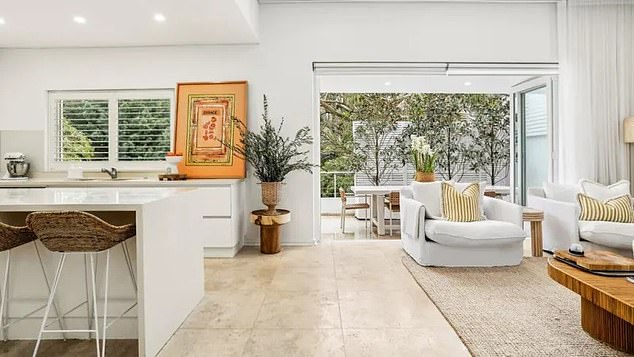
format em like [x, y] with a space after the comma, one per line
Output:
[206, 130]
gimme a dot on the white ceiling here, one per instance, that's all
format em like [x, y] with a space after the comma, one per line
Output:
[49, 23]
[419, 84]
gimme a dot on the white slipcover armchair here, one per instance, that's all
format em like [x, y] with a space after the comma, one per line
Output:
[497, 241]
[561, 226]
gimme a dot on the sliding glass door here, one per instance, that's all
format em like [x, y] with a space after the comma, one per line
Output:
[533, 136]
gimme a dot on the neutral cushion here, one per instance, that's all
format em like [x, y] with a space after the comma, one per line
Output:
[602, 192]
[428, 193]
[559, 192]
[461, 187]
[618, 209]
[473, 234]
[461, 206]
[610, 234]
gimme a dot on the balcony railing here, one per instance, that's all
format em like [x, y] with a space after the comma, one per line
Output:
[332, 180]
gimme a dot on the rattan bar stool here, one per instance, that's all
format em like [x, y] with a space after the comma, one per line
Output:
[72, 232]
[12, 237]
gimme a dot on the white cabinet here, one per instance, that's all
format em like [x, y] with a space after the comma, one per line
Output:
[221, 227]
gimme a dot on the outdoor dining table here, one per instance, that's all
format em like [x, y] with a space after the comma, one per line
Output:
[377, 213]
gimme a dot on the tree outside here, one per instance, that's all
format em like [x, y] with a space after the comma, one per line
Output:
[469, 132]
[491, 150]
[442, 120]
[375, 148]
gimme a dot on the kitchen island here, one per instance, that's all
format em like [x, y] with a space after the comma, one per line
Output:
[168, 259]
[223, 222]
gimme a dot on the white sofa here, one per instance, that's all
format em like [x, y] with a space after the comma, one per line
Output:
[497, 241]
[561, 226]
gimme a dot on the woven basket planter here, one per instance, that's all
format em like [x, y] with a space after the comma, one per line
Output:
[271, 195]
[425, 176]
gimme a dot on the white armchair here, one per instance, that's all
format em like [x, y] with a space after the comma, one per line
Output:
[561, 226]
[497, 241]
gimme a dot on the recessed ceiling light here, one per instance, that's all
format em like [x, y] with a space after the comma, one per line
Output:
[79, 19]
[388, 83]
[2, 21]
[467, 84]
[159, 17]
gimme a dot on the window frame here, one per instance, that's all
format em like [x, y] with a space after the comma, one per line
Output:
[112, 96]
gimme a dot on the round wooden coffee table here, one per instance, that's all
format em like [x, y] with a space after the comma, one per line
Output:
[607, 304]
[536, 217]
[270, 228]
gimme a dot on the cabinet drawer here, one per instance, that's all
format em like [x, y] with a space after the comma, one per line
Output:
[217, 233]
[215, 202]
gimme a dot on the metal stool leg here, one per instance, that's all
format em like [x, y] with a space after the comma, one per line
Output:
[94, 301]
[48, 287]
[58, 273]
[89, 308]
[105, 305]
[128, 261]
[4, 297]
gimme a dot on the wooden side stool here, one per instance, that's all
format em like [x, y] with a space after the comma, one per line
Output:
[270, 228]
[536, 217]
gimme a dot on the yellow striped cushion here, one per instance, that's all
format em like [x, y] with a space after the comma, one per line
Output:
[461, 206]
[618, 209]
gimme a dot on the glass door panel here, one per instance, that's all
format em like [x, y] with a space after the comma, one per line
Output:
[532, 133]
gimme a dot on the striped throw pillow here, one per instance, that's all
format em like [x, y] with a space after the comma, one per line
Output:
[617, 209]
[461, 206]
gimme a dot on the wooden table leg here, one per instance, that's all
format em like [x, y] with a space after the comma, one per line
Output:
[606, 327]
[270, 239]
[536, 239]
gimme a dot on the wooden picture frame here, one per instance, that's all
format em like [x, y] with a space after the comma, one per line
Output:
[204, 120]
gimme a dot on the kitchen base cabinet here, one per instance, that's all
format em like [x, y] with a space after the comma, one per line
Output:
[222, 224]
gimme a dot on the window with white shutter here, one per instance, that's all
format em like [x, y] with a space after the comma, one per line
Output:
[128, 129]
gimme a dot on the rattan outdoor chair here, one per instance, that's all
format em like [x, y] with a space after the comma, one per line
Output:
[71, 232]
[345, 206]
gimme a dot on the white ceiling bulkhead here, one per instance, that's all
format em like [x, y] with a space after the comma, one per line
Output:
[78, 23]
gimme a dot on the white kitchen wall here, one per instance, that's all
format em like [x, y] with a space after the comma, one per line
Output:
[291, 37]
[28, 142]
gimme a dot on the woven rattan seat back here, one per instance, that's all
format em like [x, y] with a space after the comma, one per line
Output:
[74, 231]
[394, 198]
[11, 236]
[342, 194]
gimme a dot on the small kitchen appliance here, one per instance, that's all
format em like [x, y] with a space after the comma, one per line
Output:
[17, 166]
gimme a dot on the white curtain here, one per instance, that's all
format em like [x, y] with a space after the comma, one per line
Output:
[596, 90]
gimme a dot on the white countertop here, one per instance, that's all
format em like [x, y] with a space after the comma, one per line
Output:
[84, 198]
[151, 181]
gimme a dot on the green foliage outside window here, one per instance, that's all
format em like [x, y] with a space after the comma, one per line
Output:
[468, 132]
[143, 130]
[76, 145]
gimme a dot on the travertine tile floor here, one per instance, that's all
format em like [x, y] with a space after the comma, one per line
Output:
[355, 229]
[339, 298]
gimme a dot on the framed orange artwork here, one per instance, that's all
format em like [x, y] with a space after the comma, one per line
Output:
[204, 121]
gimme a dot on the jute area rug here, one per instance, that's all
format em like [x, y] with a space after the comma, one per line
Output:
[509, 311]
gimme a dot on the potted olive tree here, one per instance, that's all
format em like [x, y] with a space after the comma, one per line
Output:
[273, 156]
